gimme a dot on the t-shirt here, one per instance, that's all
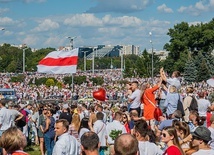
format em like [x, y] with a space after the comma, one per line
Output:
[136, 97]
[172, 150]
[212, 136]
[148, 148]
[203, 104]
[175, 82]
[204, 152]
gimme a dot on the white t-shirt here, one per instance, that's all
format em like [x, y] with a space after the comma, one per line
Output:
[212, 136]
[175, 82]
[148, 148]
[136, 97]
[203, 104]
[204, 152]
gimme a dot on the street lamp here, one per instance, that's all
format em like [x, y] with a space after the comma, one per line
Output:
[121, 54]
[71, 41]
[84, 59]
[150, 34]
[94, 48]
[24, 59]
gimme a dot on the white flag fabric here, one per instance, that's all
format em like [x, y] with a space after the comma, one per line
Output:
[59, 62]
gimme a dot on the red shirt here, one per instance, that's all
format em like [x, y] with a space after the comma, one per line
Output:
[172, 150]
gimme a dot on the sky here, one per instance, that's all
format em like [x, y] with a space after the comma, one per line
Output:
[48, 23]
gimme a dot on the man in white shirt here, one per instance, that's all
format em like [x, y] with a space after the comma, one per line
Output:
[135, 98]
[175, 81]
[66, 143]
[114, 126]
[100, 109]
[100, 129]
[5, 117]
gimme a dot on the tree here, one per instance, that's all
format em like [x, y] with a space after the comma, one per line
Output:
[203, 71]
[190, 71]
[198, 39]
[49, 82]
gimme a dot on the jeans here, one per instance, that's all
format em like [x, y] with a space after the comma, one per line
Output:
[49, 144]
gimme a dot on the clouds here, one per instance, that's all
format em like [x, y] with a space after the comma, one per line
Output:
[6, 21]
[119, 6]
[83, 20]
[164, 9]
[198, 8]
[3, 10]
[46, 25]
[96, 22]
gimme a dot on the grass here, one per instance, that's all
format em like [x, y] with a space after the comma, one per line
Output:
[32, 150]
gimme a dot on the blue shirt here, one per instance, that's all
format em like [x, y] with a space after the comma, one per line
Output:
[171, 102]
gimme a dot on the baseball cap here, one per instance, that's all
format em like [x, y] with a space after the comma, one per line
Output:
[203, 133]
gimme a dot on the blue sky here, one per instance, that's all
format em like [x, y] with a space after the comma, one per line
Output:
[47, 23]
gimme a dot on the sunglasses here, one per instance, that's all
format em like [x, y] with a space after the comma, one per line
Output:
[164, 135]
[45, 109]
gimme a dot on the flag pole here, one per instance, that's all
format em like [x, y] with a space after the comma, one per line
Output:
[72, 76]
[71, 48]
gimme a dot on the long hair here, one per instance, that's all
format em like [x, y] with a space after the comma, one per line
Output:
[84, 124]
[172, 132]
[76, 121]
[182, 126]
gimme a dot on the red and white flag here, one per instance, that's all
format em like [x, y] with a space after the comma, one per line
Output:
[59, 62]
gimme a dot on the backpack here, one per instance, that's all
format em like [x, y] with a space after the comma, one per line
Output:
[193, 104]
[22, 122]
[180, 106]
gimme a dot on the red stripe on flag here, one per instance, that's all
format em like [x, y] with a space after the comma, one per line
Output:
[59, 61]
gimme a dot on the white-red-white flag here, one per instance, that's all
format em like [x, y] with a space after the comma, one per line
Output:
[59, 62]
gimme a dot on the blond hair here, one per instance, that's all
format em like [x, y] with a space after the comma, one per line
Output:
[76, 121]
[172, 89]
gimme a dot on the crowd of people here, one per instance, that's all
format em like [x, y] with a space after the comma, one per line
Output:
[127, 127]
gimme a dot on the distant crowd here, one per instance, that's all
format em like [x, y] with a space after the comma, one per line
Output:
[160, 116]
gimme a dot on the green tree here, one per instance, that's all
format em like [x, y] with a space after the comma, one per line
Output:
[79, 79]
[203, 71]
[59, 85]
[49, 82]
[190, 71]
[97, 80]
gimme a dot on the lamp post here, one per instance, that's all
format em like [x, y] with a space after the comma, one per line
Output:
[150, 33]
[121, 54]
[71, 42]
[94, 48]
[23, 54]
[84, 59]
